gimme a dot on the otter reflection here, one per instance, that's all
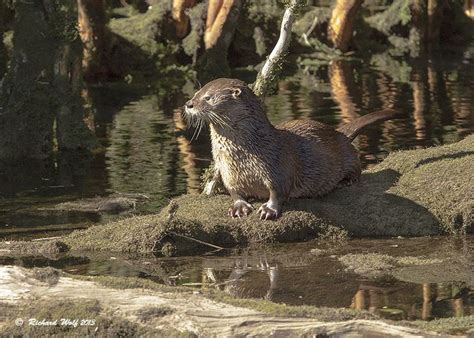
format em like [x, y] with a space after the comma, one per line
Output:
[292, 282]
[244, 270]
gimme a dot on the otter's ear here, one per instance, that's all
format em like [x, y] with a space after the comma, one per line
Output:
[236, 92]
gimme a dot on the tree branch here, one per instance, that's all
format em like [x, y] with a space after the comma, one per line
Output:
[272, 67]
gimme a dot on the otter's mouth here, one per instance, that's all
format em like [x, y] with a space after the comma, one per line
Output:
[198, 118]
[194, 118]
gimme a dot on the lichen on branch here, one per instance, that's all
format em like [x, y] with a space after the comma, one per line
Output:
[273, 65]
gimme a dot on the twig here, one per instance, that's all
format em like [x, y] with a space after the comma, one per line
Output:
[46, 238]
[272, 66]
[196, 240]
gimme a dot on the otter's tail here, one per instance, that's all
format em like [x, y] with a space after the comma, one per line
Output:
[352, 129]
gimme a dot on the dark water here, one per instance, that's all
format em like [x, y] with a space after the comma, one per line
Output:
[147, 150]
[310, 274]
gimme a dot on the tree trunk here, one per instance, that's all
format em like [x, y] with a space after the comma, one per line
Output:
[217, 15]
[41, 84]
[181, 20]
[435, 16]
[341, 25]
[26, 118]
[3, 53]
[71, 130]
[469, 8]
[92, 27]
[419, 28]
[220, 27]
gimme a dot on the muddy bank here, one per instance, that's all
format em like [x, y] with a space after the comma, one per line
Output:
[411, 193]
[147, 309]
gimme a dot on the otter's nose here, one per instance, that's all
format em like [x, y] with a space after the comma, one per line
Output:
[189, 104]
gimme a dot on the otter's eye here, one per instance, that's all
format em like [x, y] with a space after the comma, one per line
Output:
[207, 98]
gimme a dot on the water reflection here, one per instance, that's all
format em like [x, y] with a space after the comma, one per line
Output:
[295, 274]
[426, 301]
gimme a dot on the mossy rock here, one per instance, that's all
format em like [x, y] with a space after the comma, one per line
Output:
[412, 193]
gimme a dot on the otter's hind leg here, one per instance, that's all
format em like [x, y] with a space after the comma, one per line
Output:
[350, 178]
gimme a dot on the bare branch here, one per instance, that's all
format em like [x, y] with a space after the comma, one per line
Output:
[273, 65]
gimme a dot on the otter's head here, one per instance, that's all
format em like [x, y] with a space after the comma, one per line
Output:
[224, 103]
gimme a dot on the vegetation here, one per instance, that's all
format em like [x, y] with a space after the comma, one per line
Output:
[53, 52]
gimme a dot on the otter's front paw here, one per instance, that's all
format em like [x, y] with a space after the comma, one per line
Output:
[267, 212]
[240, 208]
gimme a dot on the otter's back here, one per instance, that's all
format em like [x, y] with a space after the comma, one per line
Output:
[326, 157]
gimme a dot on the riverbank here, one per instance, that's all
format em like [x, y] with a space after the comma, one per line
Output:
[411, 193]
[111, 305]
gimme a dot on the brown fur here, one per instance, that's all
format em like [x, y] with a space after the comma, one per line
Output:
[300, 158]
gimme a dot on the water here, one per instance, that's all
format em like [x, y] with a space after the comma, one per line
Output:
[308, 274]
[147, 150]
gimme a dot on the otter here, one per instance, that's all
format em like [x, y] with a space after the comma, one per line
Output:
[299, 158]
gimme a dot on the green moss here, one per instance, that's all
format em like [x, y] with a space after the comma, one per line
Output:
[46, 275]
[193, 41]
[333, 234]
[46, 248]
[143, 30]
[455, 326]
[144, 44]
[398, 13]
